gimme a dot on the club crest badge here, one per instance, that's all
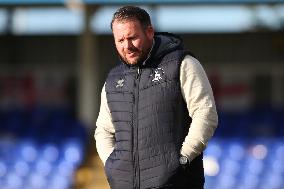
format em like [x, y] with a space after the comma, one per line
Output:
[119, 83]
[159, 72]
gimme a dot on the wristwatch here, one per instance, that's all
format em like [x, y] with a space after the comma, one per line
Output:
[183, 160]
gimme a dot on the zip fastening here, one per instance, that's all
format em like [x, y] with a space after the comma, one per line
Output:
[135, 133]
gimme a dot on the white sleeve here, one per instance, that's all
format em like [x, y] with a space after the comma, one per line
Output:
[198, 95]
[104, 134]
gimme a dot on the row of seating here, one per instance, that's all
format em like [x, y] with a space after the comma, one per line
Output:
[42, 123]
[239, 163]
[25, 162]
[40, 149]
[257, 122]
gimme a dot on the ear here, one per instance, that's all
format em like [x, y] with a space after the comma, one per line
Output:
[150, 32]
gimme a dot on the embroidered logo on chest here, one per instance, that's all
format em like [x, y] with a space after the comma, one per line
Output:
[159, 73]
[119, 83]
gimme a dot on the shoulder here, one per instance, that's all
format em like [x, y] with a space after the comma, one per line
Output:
[191, 64]
[189, 59]
[117, 69]
[113, 75]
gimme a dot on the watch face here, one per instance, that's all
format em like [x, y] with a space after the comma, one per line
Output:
[183, 160]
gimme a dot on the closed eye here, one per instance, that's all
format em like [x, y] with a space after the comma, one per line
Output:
[120, 41]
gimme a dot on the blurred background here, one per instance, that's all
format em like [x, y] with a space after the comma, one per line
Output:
[54, 57]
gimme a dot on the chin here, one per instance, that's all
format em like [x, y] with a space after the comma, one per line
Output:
[132, 62]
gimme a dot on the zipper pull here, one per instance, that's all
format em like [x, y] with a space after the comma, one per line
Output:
[138, 73]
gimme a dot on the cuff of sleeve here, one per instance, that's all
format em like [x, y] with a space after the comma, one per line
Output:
[189, 153]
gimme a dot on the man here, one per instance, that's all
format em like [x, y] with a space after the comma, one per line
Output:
[157, 109]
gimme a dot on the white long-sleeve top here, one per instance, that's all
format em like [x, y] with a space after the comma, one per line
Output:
[197, 93]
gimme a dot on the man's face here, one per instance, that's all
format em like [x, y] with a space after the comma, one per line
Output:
[132, 41]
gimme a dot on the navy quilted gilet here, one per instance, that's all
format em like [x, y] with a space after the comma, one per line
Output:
[151, 121]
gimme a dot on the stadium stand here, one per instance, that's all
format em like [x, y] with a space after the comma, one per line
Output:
[41, 150]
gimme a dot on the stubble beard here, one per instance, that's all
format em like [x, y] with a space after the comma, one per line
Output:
[141, 57]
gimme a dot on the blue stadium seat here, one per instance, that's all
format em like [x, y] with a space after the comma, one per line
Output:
[59, 182]
[36, 181]
[214, 149]
[13, 181]
[21, 168]
[49, 152]
[73, 152]
[27, 150]
[4, 169]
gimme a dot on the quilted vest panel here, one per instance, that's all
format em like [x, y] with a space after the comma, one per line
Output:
[151, 121]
